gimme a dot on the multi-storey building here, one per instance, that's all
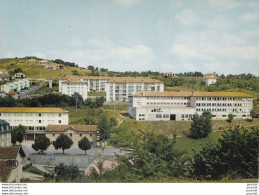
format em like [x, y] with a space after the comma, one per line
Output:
[34, 119]
[17, 85]
[5, 133]
[70, 87]
[156, 106]
[210, 78]
[75, 132]
[118, 89]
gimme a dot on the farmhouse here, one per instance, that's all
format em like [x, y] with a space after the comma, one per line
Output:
[210, 78]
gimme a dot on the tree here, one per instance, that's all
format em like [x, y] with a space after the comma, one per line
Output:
[41, 143]
[84, 144]
[76, 99]
[104, 129]
[201, 126]
[230, 117]
[13, 137]
[63, 142]
[253, 114]
[65, 173]
[19, 134]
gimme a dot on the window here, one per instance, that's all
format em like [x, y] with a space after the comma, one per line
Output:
[53, 134]
[91, 134]
[81, 134]
[39, 114]
[39, 121]
[59, 115]
[70, 134]
[59, 121]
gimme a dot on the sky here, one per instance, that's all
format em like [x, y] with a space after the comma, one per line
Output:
[219, 36]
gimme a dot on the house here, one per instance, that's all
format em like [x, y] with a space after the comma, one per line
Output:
[5, 133]
[70, 87]
[32, 61]
[210, 78]
[35, 119]
[44, 62]
[19, 75]
[4, 75]
[118, 89]
[54, 67]
[75, 132]
[13, 94]
[169, 75]
[11, 163]
[157, 106]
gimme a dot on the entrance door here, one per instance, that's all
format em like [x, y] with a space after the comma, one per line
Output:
[172, 117]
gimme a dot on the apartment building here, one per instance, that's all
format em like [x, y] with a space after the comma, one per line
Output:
[19, 75]
[75, 132]
[4, 75]
[118, 89]
[156, 106]
[35, 119]
[70, 87]
[169, 75]
[5, 133]
[210, 78]
[17, 85]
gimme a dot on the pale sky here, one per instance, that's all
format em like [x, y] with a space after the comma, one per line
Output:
[161, 35]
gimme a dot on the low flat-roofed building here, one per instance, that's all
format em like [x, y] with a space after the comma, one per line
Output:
[35, 119]
[210, 78]
[153, 106]
[17, 85]
[118, 89]
[4, 75]
[169, 75]
[5, 133]
[11, 163]
[19, 75]
[75, 132]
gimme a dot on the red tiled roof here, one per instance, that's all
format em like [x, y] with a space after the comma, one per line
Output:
[5, 171]
[79, 128]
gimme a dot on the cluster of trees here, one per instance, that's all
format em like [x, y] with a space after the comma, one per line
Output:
[191, 74]
[173, 82]
[18, 134]
[201, 126]
[59, 61]
[52, 100]
[155, 158]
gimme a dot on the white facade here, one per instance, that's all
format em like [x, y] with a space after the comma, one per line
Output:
[155, 106]
[119, 89]
[71, 87]
[16, 85]
[35, 119]
[210, 78]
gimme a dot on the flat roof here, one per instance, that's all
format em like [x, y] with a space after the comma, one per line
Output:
[134, 80]
[190, 94]
[32, 110]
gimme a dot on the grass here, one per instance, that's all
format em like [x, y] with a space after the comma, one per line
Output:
[34, 170]
[96, 94]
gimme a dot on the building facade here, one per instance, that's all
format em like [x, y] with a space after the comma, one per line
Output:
[17, 86]
[5, 133]
[210, 78]
[19, 75]
[118, 89]
[4, 75]
[169, 75]
[74, 86]
[34, 119]
[156, 106]
[75, 132]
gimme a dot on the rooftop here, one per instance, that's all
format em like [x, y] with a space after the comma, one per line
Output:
[79, 128]
[163, 94]
[134, 80]
[220, 94]
[11, 152]
[32, 110]
[5, 171]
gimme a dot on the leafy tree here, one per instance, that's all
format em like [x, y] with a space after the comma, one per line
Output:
[13, 137]
[41, 143]
[16, 70]
[76, 98]
[19, 134]
[230, 117]
[75, 72]
[84, 144]
[235, 155]
[63, 142]
[100, 101]
[201, 126]
[104, 129]
[66, 173]
[253, 113]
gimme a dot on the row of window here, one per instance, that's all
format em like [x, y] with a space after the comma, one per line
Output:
[221, 104]
[71, 134]
[223, 99]
[29, 114]
[169, 103]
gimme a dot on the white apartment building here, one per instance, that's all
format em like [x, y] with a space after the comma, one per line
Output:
[73, 86]
[17, 86]
[156, 106]
[210, 78]
[35, 119]
[5, 133]
[118, 89]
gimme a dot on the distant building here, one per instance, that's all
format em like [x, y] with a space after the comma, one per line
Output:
[210, 78]
[118, 89]
[35, 119]
[156, 106]
[17, 86]
[169, 75]
[13, 94]
[75, 132]
[10, 157]
[32, 61]
[4, 75]
[70, 87]
[44, 62]
[54, 67]
[19, 75]
[5, 133]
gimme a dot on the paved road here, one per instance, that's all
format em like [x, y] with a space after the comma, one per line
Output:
[26, 93]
